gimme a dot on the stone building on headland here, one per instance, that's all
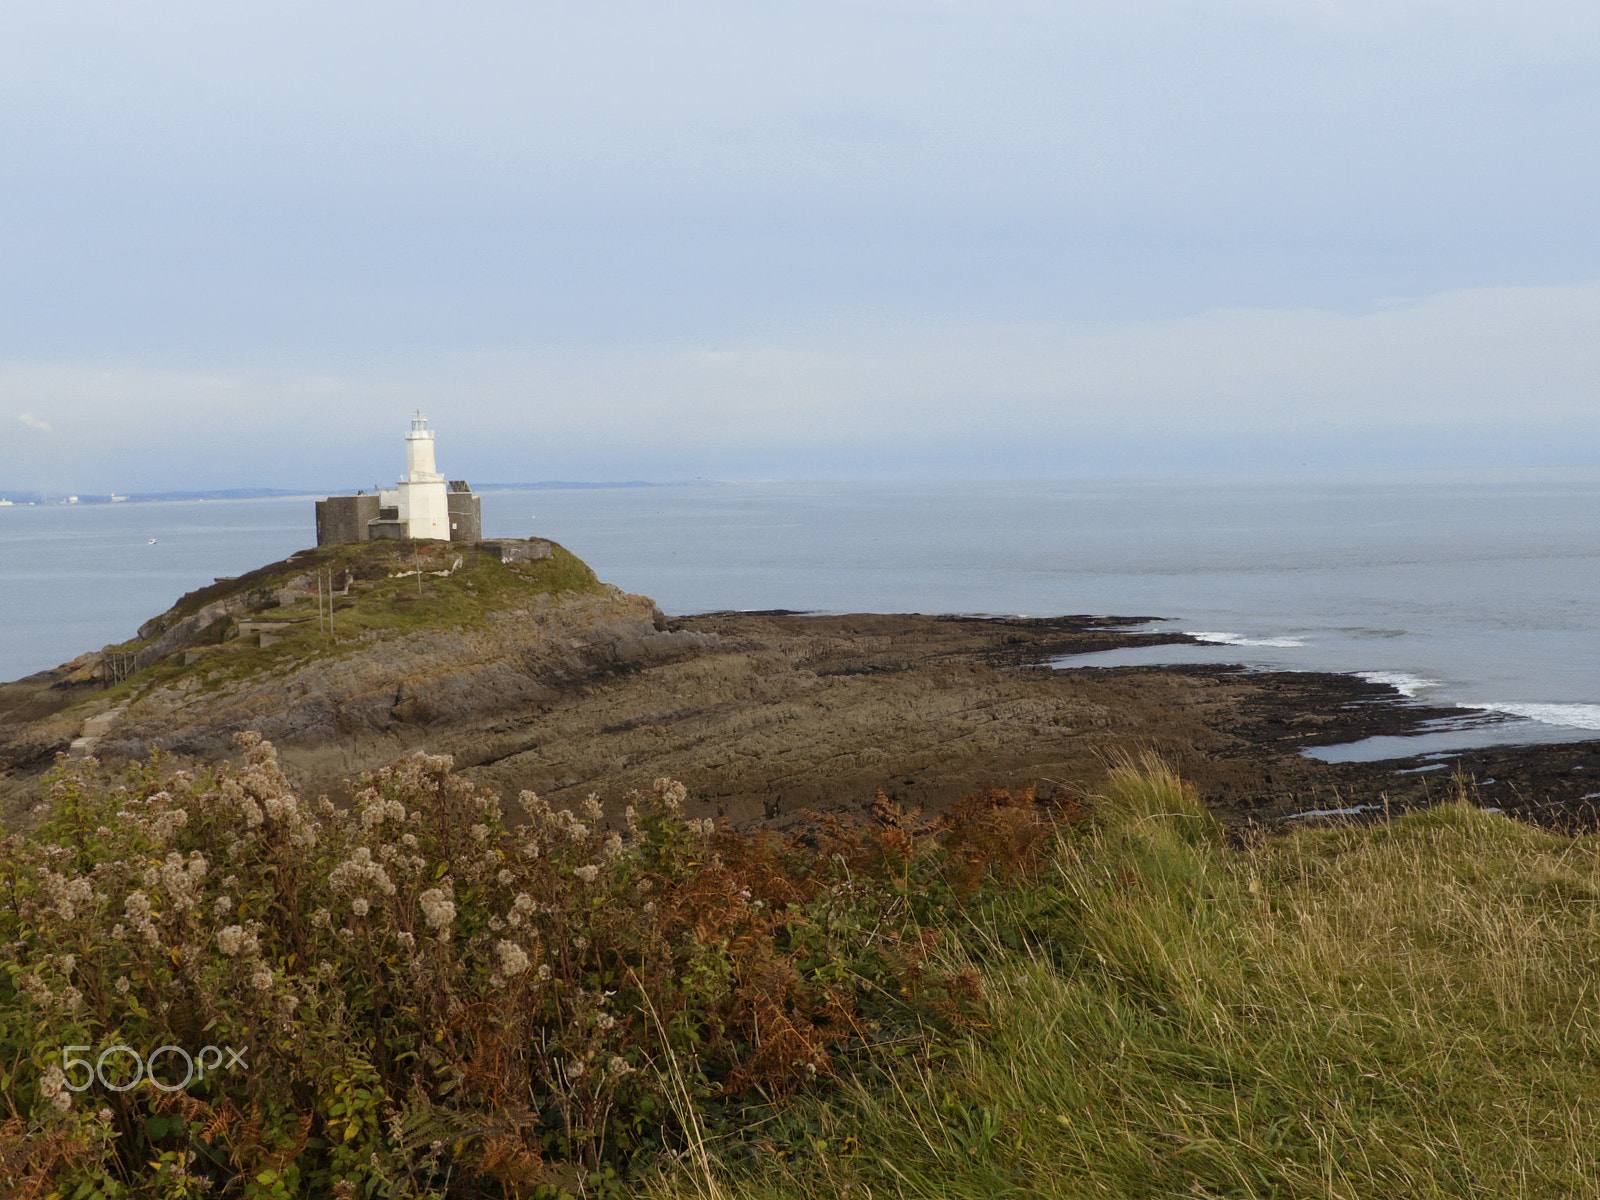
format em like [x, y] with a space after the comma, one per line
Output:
[422, 505]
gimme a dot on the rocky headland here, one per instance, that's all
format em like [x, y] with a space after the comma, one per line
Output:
[512, 657]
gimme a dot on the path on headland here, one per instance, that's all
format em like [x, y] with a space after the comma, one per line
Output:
[95, 728]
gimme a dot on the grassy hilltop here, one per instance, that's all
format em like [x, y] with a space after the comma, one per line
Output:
[324, 602]
[345, 656]
[339, 599]
[1015, 999]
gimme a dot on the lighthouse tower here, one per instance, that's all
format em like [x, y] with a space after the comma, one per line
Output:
[424, 503]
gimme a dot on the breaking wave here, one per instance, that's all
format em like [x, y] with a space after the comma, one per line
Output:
[1406, 685]
[1239, 639]
[1566, 716]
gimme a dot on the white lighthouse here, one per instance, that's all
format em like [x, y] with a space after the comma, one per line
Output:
[423, 503]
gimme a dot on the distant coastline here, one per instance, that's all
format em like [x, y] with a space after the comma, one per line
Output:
[20, 498]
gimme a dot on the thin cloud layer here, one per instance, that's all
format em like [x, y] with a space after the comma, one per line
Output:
[740, 240]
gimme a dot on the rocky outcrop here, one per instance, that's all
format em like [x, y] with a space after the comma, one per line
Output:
[165, 635]
[407, 665]
[337, 715]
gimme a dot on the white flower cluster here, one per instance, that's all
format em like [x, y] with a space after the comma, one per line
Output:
[588, 872]
[279, 807]
[437, 908]
[359, 868]
[165, 824]
[138, 911]
[39, 992]
[671, 793]
[513, 959]
[233, 792]
[375, 810]
[181, 878]
[236, 939]
[36, 990]
[66, 894]
[520, 908]
[562, 823]
[53, 1086]
[262, 792]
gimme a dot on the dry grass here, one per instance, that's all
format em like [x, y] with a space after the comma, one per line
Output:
[1406, 1010]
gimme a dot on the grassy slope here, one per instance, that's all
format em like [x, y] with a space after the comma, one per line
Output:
[382, 599]
[1401, 1010]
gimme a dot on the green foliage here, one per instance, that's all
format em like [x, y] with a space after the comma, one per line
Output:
[405, 997]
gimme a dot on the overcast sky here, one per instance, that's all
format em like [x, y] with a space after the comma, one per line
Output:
[794, 238]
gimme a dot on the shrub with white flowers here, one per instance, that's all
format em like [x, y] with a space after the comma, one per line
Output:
[401, 968]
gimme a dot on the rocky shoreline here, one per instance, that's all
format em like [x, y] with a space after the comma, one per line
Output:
[991, 707]
[769, 716]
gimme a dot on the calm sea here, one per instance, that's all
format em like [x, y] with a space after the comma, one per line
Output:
[1480, 590]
